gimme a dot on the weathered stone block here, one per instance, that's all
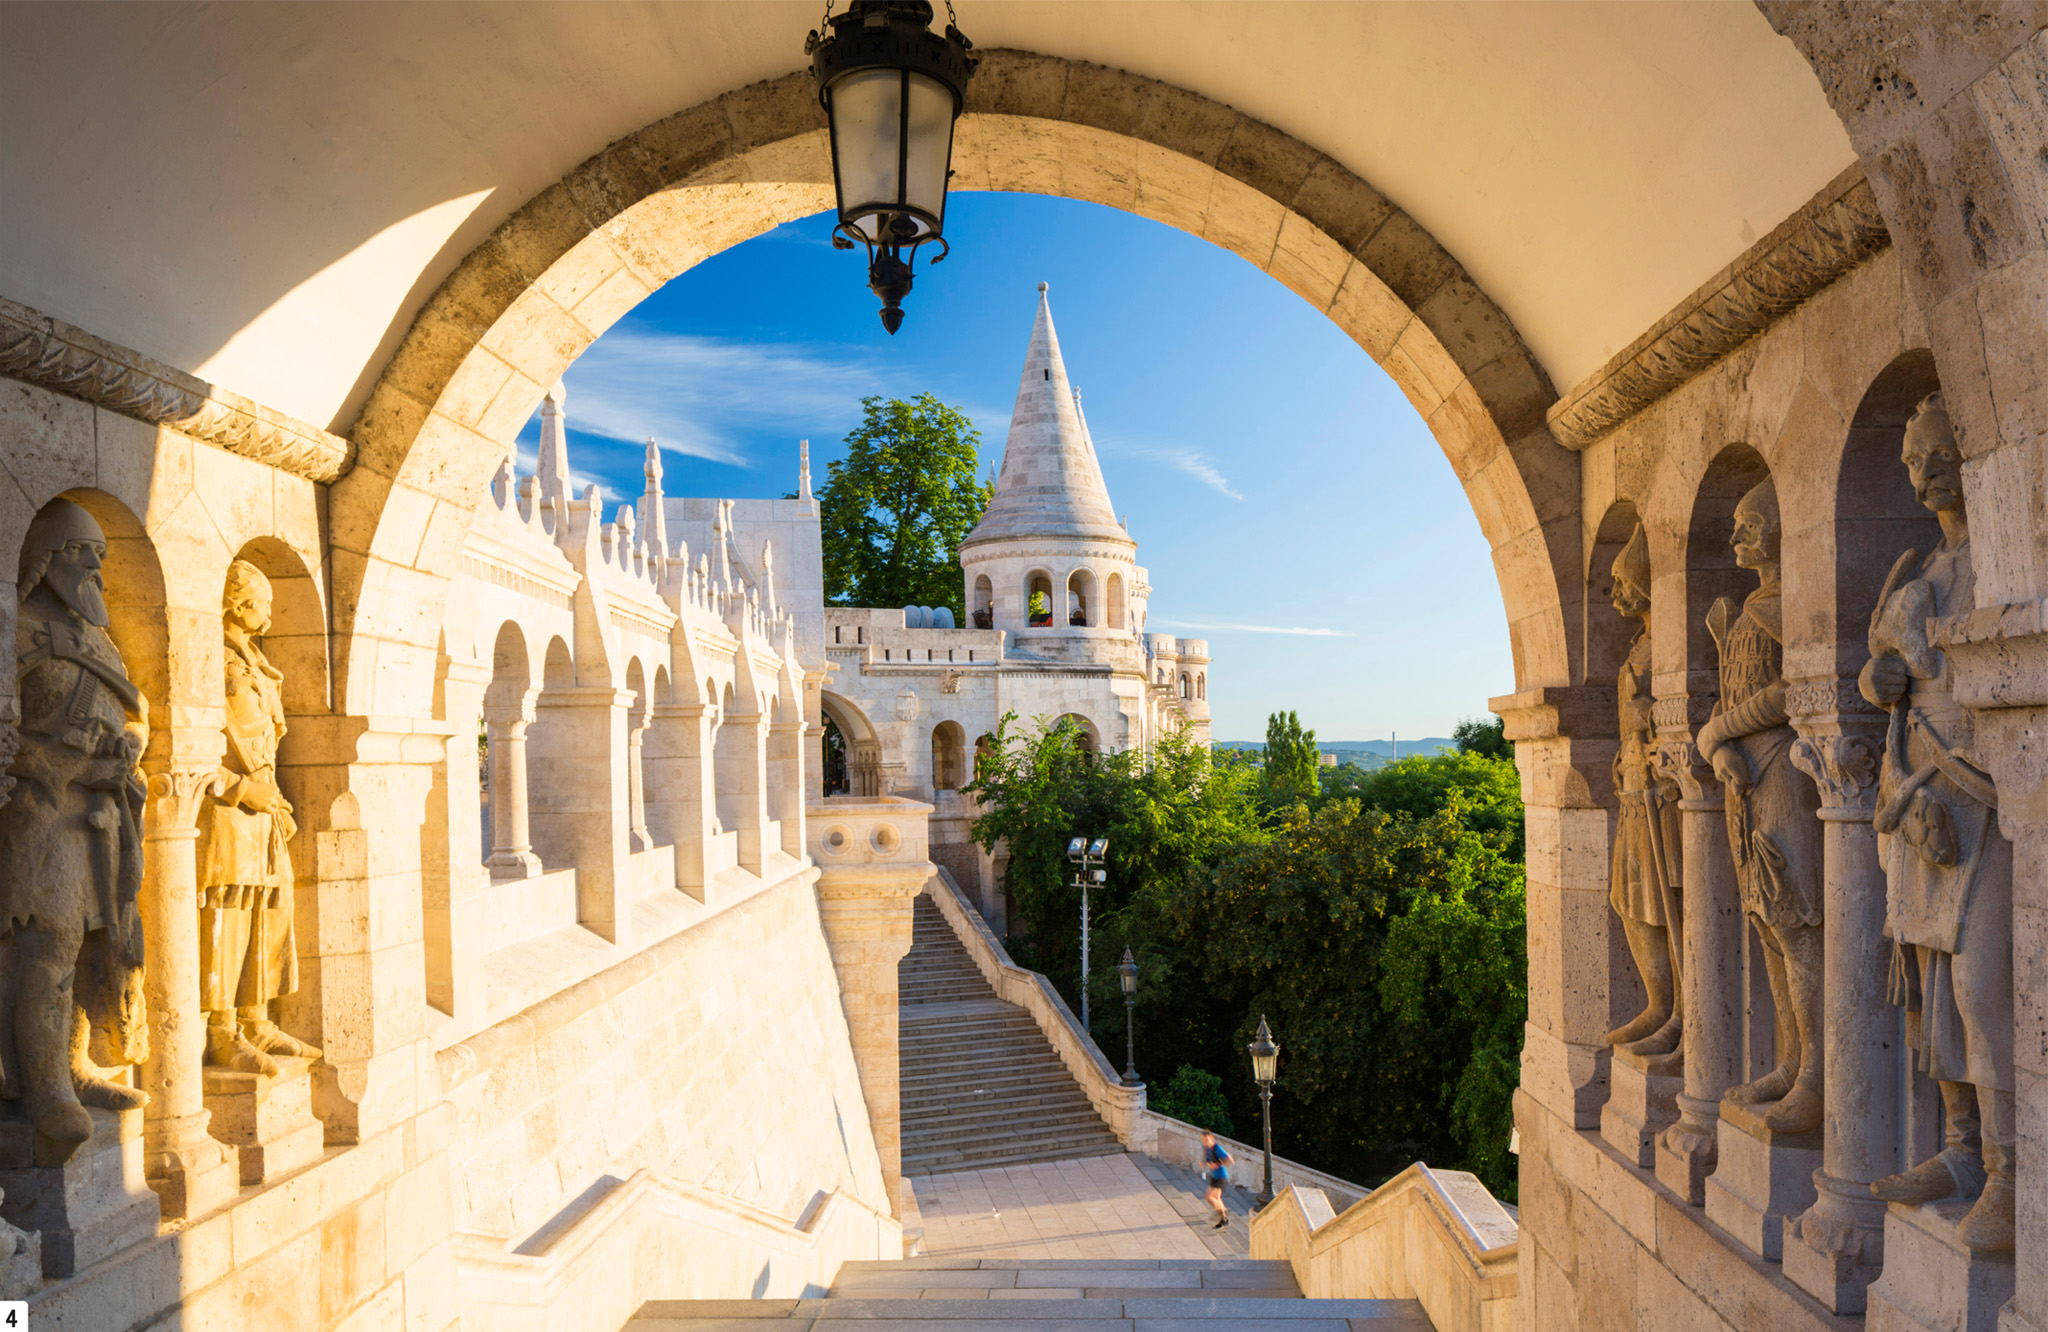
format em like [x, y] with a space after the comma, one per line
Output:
[1640, 1106]
[94, 1205]
[1762, 1178]
[1932, 1282]
[269, 1120]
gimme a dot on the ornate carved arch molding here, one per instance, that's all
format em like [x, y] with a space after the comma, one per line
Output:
[577, 256]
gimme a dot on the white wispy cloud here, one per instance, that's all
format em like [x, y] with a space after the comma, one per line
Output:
[682, 389]
[1253, 629]
[1179, 459]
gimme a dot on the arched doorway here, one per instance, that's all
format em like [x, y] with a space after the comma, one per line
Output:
[856, 768]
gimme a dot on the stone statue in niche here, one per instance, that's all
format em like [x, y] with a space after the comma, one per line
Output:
[1948, 869]
[71, 847]
[1773, 814]
[248, 957]
[1645, 876]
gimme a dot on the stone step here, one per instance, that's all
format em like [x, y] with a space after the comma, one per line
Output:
[1075, 1125]
[947, 1162]
[980, 1087]
[972, 1092]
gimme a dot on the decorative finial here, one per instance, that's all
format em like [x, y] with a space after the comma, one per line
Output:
[1041, 288]
[653, 466]
[803, 469]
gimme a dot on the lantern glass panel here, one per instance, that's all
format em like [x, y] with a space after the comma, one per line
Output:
[931, 149]
[1265, 1066]
[867, 117]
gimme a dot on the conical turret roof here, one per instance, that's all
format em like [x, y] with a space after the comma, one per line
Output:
[1051, 484]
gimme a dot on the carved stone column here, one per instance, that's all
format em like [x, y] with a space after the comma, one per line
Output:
[677, 792]
[872, 859]
[191, 1172]
[1564, 753]
[512, 854]
[1836, 1248]
[637, 836]
[1687, 1151]
[786, 783]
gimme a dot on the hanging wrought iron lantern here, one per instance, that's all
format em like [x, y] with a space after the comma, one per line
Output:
[891, 88]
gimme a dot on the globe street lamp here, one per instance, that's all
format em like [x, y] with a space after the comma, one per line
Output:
[891, 89]
[1087, 857]
[1265, 1055]
[1127, 972]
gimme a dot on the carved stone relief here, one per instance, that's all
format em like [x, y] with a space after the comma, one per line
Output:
[248, 956]
[1948, 868]
[71, 954]
[1774, 833]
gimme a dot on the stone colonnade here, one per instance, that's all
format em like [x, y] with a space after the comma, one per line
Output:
[1649, 1200]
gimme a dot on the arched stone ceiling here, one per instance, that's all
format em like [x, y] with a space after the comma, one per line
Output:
[265, 195]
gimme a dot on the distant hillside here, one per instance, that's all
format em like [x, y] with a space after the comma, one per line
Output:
[1364, 753]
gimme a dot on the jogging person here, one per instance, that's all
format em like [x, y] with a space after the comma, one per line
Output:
[1214, 1159]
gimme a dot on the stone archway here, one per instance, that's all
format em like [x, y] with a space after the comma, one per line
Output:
[582, 253]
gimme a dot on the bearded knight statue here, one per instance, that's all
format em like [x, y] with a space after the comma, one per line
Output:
[71, 847]
[1948, 869]
[1773, 815]
[248, 956]
[1644, 887]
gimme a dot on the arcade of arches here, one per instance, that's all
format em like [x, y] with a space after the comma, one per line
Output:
[442, 882]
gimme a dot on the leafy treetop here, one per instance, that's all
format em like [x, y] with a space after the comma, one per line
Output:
[894, 510]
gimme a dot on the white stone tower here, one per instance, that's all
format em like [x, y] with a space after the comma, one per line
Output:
[1050, 530]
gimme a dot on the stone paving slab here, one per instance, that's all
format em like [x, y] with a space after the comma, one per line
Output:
[839, 1307]
[793, 1324]
[722, 1308]
[1095, 1207]
[1185, 1279]
[1236, 1324]
[1290, 1308]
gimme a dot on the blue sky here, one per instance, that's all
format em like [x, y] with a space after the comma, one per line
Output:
[1291, 506]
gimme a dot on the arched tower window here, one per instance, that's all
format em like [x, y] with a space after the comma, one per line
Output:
[1202, 685]
[1186, 688]
[1038, 599]
[984, 608]
[1115, 597]
[1080, 598]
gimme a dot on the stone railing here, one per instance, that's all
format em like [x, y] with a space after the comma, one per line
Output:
[1123, 1108]
[1433, 1236]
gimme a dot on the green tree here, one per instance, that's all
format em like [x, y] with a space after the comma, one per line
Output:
[1484, 735]
[1291, 760]
[894, 510]
[1194, 1096]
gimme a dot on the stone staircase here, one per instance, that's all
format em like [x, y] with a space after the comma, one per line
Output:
[980, 1085]
[1046, 1295]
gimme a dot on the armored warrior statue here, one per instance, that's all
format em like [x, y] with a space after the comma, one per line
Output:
[1948, 869]
[247, 953]
[1645, 878]
[71, 847]
[1773, 814]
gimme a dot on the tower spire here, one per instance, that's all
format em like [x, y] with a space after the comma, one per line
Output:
[1050, 483]
[653, 526]
[553, 466]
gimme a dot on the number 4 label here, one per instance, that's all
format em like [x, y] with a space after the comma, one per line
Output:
[13, 1316]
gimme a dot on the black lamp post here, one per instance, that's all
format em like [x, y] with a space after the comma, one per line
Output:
[891, 89]
[1127, 972]
[1265, 1067]
[1087, 857]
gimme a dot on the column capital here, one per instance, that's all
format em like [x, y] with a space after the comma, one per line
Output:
[1845, 768]
[1678, 760]
[176, 794]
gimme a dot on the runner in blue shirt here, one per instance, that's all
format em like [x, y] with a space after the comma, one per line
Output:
[1214, 1159]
